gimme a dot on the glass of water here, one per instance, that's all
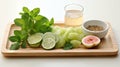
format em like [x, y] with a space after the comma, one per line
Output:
[73, 15]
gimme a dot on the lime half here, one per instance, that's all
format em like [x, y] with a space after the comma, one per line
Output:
[35, 38]
[48, 35]
[48, 43]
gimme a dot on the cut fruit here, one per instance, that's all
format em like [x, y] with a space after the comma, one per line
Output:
[35, 38]
[48, 35]
[34, 45]
[90, 41]
[48, 43]
[51, 35]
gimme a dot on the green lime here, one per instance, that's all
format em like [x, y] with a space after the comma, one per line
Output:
[34, 45]
[48, 35]
[48, 43]
[35, 39]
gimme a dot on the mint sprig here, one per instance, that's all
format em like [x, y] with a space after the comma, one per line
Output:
[30, 22]
[68, 46]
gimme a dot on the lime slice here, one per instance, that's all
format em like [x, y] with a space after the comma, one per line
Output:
[48, 35]
[48, 43]
[34, 45]
[35, 38]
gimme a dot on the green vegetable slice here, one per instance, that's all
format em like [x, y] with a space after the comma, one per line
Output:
[75, 43]
[60, 43]
[48, 43]
[57, 38]
[35, 38]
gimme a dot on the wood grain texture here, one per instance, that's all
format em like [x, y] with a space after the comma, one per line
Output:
[108, 47]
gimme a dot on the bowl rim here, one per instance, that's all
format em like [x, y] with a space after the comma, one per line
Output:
[106, 28]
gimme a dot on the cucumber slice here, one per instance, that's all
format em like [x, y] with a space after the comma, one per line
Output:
[35, 38]
[57, 38]
[48, 43]
[48, 35]
[61, 42]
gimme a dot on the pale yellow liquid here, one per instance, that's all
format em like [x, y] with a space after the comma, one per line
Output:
[73, 18]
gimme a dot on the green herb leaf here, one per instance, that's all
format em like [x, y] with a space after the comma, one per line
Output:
[24, 35]
[25, 17]
[21, 34]
[35, 12]
[26, 10]
[68, 46]
[42, 25]
[17, 32]
[21, 13]
[30, 22]
[15, 46]
[23, 45]
[38, 17]
[19, 22]
[14, 38]
[52, 21]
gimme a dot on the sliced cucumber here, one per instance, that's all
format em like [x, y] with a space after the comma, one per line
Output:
[35, 39]
[48, 43]
[51, 35]
[60, 43]
[56, 38]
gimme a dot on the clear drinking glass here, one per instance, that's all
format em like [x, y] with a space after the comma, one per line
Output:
[73, 15]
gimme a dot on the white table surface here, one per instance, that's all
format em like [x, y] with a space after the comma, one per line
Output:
[106, 10]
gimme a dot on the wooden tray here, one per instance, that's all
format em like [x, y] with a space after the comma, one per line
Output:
[108, 47]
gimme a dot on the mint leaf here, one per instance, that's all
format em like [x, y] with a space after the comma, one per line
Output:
[35, 12]
[30, 22]
[38, 17]
[68, 46]
[14, 38]
[21, 13]
[17, 32]
[23, 45]
[15, 46]
[52, 21]
[25, 17]
[25, 10]
[21, 34]
[42, 25]
[19, 22]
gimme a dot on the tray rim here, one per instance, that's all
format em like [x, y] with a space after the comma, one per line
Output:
[7, 52]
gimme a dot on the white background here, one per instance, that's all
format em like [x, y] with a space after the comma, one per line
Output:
[106, 10]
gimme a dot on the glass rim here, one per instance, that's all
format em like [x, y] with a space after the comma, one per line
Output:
[74, 4]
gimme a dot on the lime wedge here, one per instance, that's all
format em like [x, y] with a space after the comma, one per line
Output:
[35, 39]
[48, 43]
